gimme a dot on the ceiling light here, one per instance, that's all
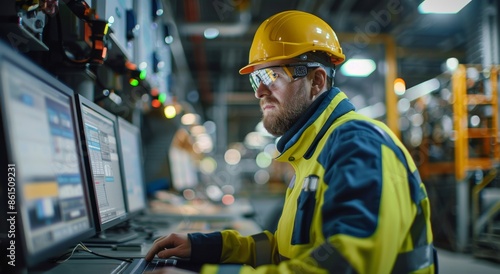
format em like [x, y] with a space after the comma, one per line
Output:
[358, 67]
[399, 86]
[189, 119]
[169, 39]
[170, 111]
[442, 6]
[211, 33]
[452, 64]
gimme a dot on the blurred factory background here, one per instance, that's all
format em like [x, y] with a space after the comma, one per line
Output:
[171, 68]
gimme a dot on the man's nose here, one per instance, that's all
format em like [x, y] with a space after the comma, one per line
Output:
[262, 91]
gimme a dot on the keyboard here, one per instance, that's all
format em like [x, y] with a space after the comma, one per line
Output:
[141, 265]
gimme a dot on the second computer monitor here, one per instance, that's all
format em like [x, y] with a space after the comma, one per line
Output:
[103, 163]
[132, 163]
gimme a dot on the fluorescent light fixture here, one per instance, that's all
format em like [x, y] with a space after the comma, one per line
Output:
[374, 111]
[442, 6]
[422, 89]
[358, 67]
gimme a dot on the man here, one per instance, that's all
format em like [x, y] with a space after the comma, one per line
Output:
[356, 203]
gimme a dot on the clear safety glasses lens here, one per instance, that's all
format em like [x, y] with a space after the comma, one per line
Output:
[266, 76]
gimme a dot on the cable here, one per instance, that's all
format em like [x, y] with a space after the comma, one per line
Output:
[71, 254]
[86, 249]
[61, 44]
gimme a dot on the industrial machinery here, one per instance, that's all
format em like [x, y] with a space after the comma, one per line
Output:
[450, 125]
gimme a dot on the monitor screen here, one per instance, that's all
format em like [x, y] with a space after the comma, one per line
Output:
[48, 201]
[132, 163]
[101, 153]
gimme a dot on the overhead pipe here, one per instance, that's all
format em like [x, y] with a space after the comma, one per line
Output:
[225, 29]
[192, 14]
[184, 78]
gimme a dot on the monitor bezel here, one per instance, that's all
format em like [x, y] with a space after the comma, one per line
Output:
[25, 259]
[80, 102]
[123, 123]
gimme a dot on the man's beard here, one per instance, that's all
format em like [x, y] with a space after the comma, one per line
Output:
[287, 114]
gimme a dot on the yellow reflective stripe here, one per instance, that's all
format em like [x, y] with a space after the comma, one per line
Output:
[262, 249]
[419, 258]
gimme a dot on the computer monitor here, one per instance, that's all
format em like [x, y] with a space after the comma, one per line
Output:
[132, 166]
[45, 207]
[99, 128]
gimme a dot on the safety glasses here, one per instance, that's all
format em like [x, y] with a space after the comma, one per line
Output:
[270, 75]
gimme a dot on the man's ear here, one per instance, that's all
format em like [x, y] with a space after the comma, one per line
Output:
[319, 80]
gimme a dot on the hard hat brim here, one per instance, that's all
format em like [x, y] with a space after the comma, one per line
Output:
[336, 60]
[251, 67]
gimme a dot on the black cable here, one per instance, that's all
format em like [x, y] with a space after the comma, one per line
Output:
[109, 257]
[85, 249]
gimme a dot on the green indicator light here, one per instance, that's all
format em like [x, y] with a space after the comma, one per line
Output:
[134, 82]
[162, 97]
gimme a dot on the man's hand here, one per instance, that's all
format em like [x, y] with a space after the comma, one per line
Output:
[174, 244]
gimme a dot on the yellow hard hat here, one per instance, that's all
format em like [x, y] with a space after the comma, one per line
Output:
[289, 34]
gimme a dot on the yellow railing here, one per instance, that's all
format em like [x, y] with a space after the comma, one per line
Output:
[463, 133]
[486, 134]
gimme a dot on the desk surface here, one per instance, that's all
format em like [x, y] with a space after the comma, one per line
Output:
[84, 263]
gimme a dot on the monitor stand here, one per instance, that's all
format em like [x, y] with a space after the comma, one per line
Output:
[113, 236]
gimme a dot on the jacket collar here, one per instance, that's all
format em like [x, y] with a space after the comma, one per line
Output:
[313, 124]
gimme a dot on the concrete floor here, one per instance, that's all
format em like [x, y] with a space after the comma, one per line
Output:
[465, 263]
